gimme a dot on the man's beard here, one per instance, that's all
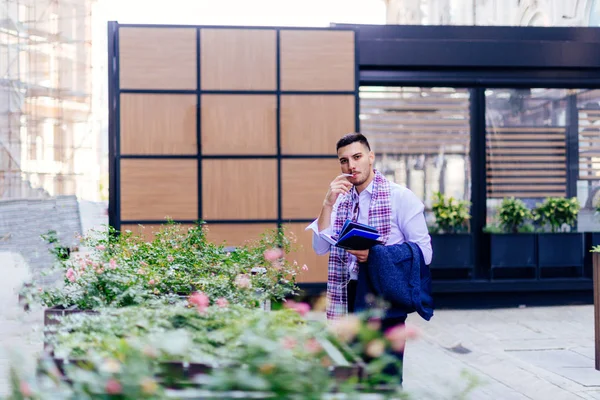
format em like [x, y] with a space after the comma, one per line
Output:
[366, 178]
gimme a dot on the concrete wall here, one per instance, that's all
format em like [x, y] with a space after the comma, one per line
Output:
[22, 222]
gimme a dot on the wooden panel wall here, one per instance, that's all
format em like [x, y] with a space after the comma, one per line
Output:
[526, 162]
[235, 126]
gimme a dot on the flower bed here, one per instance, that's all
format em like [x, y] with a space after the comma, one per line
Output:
[124, 270]
[216, 348]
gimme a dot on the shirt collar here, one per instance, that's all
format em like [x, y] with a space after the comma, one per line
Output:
[368, 189]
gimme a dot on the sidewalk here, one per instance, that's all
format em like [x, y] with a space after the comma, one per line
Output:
[523, 353]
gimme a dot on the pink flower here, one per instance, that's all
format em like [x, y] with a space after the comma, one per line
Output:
[288, 343]
[300, 308]
[273, 254]
[200, 300]
[305, 267]
[101, 247]
[346, 328]
[222, 302]
[312, 346]
[141, 271]
[374, 324]
[143, 264]
[25, 389]
[71, 275]
[243, 281]
[375, 348]
[112, 264]
[170, 258]
[113, 387]
[398, 335]
[151, 282]
[100, 271]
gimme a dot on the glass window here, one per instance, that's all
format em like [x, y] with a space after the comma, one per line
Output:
[588, 183]
[528, 134]
[421, 138]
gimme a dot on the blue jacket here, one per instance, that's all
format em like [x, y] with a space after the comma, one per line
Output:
[399, 275]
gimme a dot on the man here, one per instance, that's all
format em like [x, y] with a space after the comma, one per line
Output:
[364, 195]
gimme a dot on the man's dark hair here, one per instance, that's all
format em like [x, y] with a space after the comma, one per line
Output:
[351, 138]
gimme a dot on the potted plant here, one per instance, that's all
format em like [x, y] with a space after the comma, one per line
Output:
[558, 244]
[450, 237]
[513, 243]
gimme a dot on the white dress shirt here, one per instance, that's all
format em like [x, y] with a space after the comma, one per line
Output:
[407, 225]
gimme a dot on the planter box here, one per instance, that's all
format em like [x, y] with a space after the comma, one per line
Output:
[561, 249]
[513, 250]
[595, 239]
[452, 251]
[178, 373]
[52, 315]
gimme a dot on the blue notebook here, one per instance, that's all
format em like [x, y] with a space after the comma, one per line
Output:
[355, 236]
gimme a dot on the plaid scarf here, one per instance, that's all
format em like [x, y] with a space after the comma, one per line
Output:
[380, 213]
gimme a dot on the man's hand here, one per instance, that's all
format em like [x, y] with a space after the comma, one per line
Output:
[340, 185]
[361, 255]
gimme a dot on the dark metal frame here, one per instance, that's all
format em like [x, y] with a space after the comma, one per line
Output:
[114, 124]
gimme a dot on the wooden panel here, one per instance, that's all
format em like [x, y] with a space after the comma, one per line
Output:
[239, 189]
[304, 185]
[238, 59]
[538, 167]
[313, 124]
[521, 172]
[531, 180]
[157, 58]
[519, 129]
[158, 124]
[236, 234]
[239, 124]
[317, 265]
[147, 231]
[523, 195]
[416, 121]
[525, 165]
[518, 143]
[317, 60]
[493, 157]
[157, 189]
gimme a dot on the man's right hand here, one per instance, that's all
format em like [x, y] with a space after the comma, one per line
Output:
[340, 185]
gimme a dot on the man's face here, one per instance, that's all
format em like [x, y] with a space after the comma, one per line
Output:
[356, 159]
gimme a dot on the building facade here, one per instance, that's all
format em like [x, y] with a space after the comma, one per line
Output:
[48, 143]
[493, 12]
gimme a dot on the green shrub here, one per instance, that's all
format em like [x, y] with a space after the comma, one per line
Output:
[556, 212]
[513, 214]
[451, 215]
[125, 269]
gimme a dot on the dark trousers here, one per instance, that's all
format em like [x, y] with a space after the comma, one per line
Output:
[386, 323]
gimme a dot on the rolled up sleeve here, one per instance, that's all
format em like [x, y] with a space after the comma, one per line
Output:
[414, 226]
[320, 245]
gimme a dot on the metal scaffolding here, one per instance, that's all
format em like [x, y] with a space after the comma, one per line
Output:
[47, 138]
